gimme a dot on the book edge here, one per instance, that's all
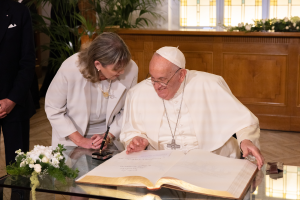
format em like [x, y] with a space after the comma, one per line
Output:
[116, 181]
[174, 183]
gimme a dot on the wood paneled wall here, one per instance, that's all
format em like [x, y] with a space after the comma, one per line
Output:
[262, 69]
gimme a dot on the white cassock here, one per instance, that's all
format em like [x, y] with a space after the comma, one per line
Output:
[210, 115]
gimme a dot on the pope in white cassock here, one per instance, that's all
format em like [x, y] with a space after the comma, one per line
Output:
[184, 109]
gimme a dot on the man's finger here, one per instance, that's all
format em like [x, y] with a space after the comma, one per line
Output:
[2, 114]
[259, 159]
[245, 152]
[128, 150]
[131, 145]
[144, 141]
[135, 141]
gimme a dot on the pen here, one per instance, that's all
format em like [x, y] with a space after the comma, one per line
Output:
[105, 136]
[104, 139]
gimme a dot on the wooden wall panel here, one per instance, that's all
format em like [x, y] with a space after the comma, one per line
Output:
[138, 58]
[200, 61]
[298, 82]
[255, 78]
[261, 69]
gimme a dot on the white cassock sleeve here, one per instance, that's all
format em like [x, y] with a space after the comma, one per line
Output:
[251, 133]
[132, 121]
[115, 127]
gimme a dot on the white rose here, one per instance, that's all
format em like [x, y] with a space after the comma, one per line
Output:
[37, 168]
[240, 25]
[294, 24]
[248, 27]
[22, 164]
[55, 162]
[287, 27]
[263, 21]
[45, 159]
[18, 151]
[31, 165]
[118, 3]
[297, 27]
[273, 27]
[286, 19]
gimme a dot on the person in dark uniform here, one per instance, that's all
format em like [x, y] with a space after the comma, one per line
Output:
[17, 64]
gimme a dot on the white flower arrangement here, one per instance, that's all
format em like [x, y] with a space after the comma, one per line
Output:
[41, 161]
[37, 155]
[268, 25]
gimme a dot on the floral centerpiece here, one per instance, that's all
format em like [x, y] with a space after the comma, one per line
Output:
[268, 25]
[41, 161]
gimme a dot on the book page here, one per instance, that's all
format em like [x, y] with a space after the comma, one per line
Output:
[213, 172]
[149, 164]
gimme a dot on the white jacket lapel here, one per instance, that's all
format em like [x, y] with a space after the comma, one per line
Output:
[116, 91]
[87, 92]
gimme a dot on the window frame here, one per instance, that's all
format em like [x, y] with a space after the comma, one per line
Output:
[220, 15]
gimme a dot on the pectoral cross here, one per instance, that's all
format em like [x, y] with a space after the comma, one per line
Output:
[173, 145]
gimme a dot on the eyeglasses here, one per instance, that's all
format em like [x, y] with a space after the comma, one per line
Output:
[162, 83]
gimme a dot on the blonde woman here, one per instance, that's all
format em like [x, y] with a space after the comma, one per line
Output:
[89, 91]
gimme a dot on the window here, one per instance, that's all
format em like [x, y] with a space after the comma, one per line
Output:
[237, 11]
[284, 8]
[211, 13]
[198, 13]
[286, 187]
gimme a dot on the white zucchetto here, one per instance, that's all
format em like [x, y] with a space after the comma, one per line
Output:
[173, 54]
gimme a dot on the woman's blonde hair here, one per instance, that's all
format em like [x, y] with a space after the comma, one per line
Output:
[107, 48]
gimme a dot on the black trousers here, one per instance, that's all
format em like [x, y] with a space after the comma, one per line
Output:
[16, 136]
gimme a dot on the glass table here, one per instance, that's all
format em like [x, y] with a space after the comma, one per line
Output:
[285, 185]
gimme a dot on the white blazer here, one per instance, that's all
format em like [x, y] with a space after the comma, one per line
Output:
[68, 101]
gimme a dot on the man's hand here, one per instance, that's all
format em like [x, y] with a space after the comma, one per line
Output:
[6, 107]
[249, 148]
[137, 144]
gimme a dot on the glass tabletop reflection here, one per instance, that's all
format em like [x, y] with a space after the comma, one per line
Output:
[285, 185]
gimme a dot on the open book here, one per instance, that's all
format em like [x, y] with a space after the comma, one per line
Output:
[197, 171]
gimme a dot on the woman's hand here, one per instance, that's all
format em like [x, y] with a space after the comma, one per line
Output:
[98, 138]
[83, 142]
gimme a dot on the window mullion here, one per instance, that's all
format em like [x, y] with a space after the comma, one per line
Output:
[220, 13]
[265, 9]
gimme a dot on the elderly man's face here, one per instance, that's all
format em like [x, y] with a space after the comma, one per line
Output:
[162, 70]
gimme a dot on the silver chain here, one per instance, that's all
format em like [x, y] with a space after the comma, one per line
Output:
[173, 135]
